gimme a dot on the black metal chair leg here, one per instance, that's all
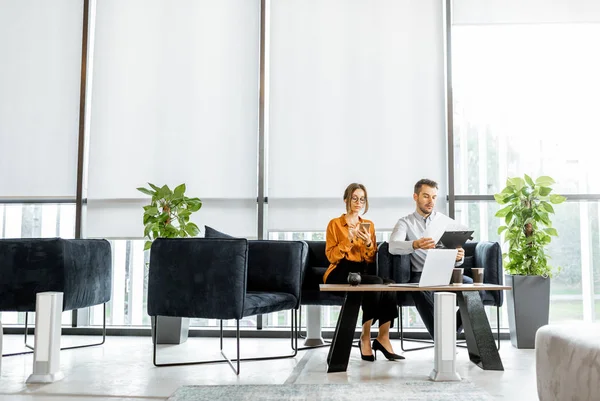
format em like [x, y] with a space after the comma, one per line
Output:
[64, 348]
[294, 331]
[294, 344]
[26, 323]
[226, 359]
[498, 325]
[401, 334]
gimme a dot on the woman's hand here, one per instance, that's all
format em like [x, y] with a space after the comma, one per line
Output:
[351, 234]
[363, 234]
[460, 254]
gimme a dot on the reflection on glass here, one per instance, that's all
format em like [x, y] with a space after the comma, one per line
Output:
[526, 101]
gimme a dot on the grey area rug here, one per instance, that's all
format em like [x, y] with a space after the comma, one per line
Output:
[403, 390]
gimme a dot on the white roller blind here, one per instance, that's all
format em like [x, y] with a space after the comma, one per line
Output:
[40, 68]
[524, 11]
[356, 95]
[175, 100]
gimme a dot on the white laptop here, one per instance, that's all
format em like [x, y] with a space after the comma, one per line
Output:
[437, 269]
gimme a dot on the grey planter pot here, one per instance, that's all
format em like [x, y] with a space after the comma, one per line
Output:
[528, 308]
[171, 330]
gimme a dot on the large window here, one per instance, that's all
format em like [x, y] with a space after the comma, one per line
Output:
[526, 101]
[352, 91]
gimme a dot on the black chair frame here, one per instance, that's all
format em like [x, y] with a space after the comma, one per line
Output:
[63, 348]
[418, 340]
[236, 369]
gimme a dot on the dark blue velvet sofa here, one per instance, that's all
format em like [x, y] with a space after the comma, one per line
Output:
[79, 268]
[477, 254]
[225, 278]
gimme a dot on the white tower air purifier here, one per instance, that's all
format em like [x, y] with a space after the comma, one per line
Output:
[46, 356]
[444, 314]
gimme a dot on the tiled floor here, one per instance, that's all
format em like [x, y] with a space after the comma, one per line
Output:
[122, 369]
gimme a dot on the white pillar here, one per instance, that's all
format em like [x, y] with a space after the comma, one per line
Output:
[313, 326]
[46, 356]
[444, 315]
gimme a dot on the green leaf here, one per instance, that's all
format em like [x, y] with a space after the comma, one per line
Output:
[504, 211]
[545, 181]
[501, 229]
[154, 187]
[192, 229]
[548, 207]
[508, 218]
[500, 198]
[179, 191]
[551, 231]
[516, 182]
[556, 199]
[146, 191]
[529, 181]
[545, 191]
[151, 210]
[147, 245]
[194, 206]
[545, 218]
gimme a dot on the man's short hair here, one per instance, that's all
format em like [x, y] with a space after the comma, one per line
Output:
[425, 181]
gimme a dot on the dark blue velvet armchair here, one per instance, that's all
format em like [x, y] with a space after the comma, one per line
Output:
[79, 268]
[477, 254]
[317, 265]
[225, 278]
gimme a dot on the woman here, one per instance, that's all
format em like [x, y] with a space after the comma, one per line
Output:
[351, 247]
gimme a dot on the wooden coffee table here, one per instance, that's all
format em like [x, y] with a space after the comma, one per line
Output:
[478, 333]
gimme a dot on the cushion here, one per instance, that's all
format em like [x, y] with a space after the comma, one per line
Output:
[257, 303]
[210, 232]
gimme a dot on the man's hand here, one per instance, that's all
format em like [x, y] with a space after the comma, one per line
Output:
[460, 254]
[423, 243]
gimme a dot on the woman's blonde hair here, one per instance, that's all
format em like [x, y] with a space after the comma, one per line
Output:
[348, 196]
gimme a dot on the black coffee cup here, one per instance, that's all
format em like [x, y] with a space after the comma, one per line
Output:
[457, 276]
[477, 275]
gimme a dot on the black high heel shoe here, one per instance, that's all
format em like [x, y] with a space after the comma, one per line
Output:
[370, 358]
[377, 346]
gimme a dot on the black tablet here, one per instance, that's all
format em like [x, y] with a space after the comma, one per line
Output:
[454, 239]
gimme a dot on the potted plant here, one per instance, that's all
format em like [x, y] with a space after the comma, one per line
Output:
[528, 230]
[168, 216]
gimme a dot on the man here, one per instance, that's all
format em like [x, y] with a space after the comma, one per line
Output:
[407, 239]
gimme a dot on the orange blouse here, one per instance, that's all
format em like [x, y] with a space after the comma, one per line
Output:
[338, 246]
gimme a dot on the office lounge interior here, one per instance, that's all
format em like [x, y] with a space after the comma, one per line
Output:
[266, 110]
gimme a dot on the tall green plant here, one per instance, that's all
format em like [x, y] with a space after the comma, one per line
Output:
[168, 214]
[528, 228]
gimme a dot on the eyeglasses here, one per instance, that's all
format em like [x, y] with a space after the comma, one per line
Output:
[356, 199]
